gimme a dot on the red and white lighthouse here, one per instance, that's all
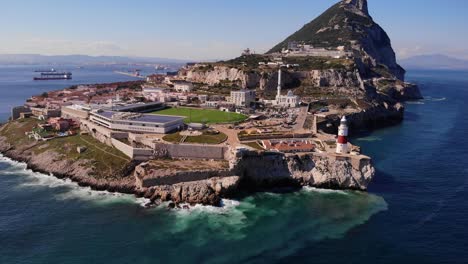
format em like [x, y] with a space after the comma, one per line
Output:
[342, 142]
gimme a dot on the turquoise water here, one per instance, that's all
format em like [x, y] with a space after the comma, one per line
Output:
[415, 211]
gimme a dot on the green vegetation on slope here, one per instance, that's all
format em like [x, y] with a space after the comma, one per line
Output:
[195, 115]
[321, 32]
[108, 162]
[207, 137]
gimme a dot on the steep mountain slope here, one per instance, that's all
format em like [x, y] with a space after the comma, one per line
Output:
[349, 24]
[366, 84]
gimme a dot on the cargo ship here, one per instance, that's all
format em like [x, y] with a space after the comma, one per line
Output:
[54, 76]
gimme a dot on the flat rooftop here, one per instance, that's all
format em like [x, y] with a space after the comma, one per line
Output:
[147, 118]
[136, 107]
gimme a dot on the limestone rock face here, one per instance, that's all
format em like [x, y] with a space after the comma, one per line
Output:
[268, 81]
[207, 192]
[332, 78]
[357, 6]
[318, 170]
[339, 174]
[348, 23]
[222, 73]
[406, 91]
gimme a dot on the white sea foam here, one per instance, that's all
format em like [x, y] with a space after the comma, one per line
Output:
[324, 191]
[438, 99]
[225, 206]
[371, 138]
[415, 102]
[68, 189]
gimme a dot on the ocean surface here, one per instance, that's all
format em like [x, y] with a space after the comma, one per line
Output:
[416, 210]
[17, 85]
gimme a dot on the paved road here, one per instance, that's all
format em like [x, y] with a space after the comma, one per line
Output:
[300, 120]
[231, 133]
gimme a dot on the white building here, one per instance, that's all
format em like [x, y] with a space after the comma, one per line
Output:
[136, 122]
[301, 49]
[289, 100]
[242, 97]
[183, 86]
[154, 94]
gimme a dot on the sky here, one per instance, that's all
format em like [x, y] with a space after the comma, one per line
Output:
[212, 29]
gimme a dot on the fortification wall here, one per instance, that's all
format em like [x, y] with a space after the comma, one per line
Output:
[102, 134]
[191, 151]
[142, 179]
[133, 153]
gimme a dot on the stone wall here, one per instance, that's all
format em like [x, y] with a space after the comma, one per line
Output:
[101, 133]
[191, 151]
[146, 177]
[17, 110]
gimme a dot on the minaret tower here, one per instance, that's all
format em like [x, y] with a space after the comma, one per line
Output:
[342, 142]
[279, 85]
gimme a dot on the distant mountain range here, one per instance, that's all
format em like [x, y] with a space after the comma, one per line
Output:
[34, 59]
[434, 61]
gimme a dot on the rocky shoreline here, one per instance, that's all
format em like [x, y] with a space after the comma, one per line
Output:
[249, 171]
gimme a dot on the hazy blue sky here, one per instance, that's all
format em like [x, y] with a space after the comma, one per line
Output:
[211, 29]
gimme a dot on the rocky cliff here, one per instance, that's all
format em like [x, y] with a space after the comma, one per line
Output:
[255, 170]
[371, 63]
[51, 162]
[348, 23]
[247, 170]
[314, 169]
[267, 79]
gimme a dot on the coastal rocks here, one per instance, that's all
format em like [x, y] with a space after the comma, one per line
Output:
[207, 192]
[373, 116]
[207, 186]
[317, 170]
[403, 92]
[79, 171]
[332, 172]
[146, 175]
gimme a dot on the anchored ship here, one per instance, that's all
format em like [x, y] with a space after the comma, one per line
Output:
[54, 76]
[44, 70]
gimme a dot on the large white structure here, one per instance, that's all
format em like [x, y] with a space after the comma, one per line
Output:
[296, 49]
[183, 86]
[154, 94]
[136, 122]
[242, 97]
[289, 100]
[342, 146]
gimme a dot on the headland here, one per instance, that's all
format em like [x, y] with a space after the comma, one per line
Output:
[216, 129]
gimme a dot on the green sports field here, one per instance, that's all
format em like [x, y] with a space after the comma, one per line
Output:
[195, 115]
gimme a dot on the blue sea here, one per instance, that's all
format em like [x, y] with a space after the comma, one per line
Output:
[17, 85]
[416, 210]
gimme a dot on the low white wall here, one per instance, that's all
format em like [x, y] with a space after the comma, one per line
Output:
[124, 148]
